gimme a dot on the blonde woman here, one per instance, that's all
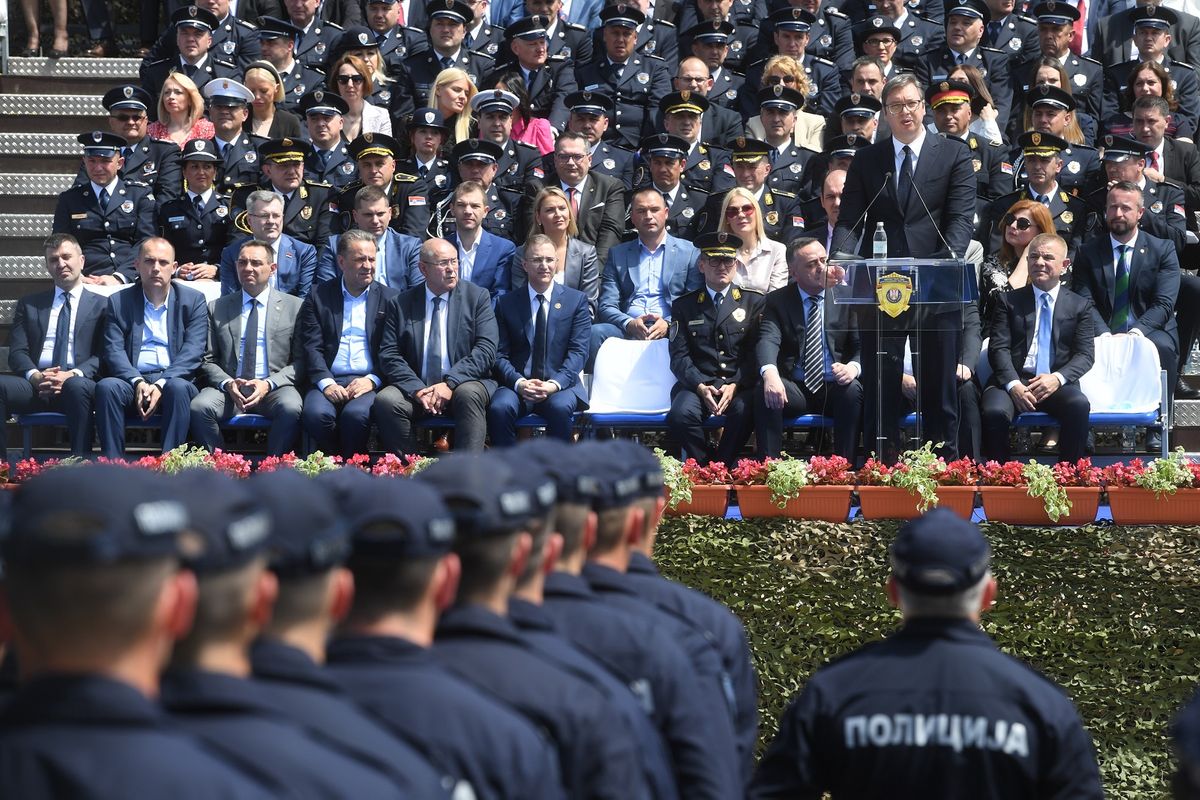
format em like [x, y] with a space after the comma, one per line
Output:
[350, 78]
[180, 112]
[762, 262]
[267, 120]
[451, 94]
[578, 266]
[810, 128]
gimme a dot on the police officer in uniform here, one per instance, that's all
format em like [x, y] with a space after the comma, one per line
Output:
[198, 224]
[330, 160]
[229, 106]
[107, 215]
[918, 35]
[1185, 86]
[424, 178]
[1051, 110]
[548, 78]
[706, 167]
[1068, 212]
[396, 41]
[1125, 160]
[966, 21]
[662, 159]
[193, 27]
[1056, 21]
[476, 160]
[279, 38]
[374, 155]
[740, 39]
[780, 209]
[787, 158]
[317, 36]
[655, 37]
[1011, 32]
[791, 32]
[590, 116]
[954, 716]
[712, 355]
[233, 39]
[147, 161]
[519, 162]
[306, 213]
[712, 45]
[448, 20]
[830, 38]
[635, 82]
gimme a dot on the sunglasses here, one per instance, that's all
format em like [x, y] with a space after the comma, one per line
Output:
[775, 80]
[1022, 223]
[733, 211]
[348, 79]
[129, 117]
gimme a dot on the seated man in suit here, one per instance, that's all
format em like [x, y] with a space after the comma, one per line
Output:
[1132, 279]
[808, 365]
[484, 258]
[296, 261]
[54, 346]
[249, 367]
[644, 277]
[712, 355]
[1041, 345]
[154, 337]
[598, 200]
[437, 354]
[341, 323]
[544, 334]
[397, 253]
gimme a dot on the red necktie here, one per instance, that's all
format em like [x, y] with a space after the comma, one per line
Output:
[1077, 40]
[1154, 160]
[573, 193]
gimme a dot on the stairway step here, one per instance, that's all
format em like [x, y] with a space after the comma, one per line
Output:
[25, 226]
[115, 68]
[44, 184]
[41, 112]
[22, 268]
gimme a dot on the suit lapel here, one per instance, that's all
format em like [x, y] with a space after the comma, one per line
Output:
[1136, 259]
[138, 328]
[482, 257]
[43, 318]
[174, 322]
[287, 260]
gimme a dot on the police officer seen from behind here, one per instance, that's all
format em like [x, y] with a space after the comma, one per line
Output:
[107, 215]
[712, 355]
[148, 161]
[97, 598]
[934, 710]
[229, 107]
[198, 225]
[330, 161]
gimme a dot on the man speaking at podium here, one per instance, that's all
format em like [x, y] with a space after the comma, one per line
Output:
[921, 186]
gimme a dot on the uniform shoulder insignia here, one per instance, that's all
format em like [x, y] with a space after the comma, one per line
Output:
[156, 63]
[317, 70]
[1062, 195]
[1184, 64]
[744, 290]
[995, 50]
[835, 12]
[1091, 61]
[1027, 18]
[558, 57]
[229, 64]
[481, 54]
[573, 26]
[782, 193]
[319, 184]
[526, 146]
[402, 177]
[659, 59]
[244, 24]
[825, 61]
[665, 23]
[760, 63]
[335, 26]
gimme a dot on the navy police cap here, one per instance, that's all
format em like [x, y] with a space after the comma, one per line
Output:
[227, 527]
[939, 553]
[396, 518]
[308, 535]
[483, 495]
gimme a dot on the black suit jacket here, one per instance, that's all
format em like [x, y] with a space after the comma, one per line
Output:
[944, 179]
[30, 326]
[1014, 321]
[601, 218]
[1182, 163]
[781, 334]
[320, 327]
[1153, 283]
[471, 330]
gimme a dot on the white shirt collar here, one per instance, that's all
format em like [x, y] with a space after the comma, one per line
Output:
[1113, 244]
[915, 146]
[533, 293]
[1037, 295]
[111, 188]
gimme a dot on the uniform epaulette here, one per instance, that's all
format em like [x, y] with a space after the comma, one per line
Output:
[1183, 64]
[319, 184]
[245, 24]
[666, 23]
[992, 50]
[558, 57]
[526, 145]
[573, 26]
[229, 64]
[1027, 18]
[335, 26]
[656, 58]
[834, 12]
[745, 290]
[1090, 60]
[480, 53]
[404, 177]
[825, 61]
[782, 193]
[156, 63]
[760, 62]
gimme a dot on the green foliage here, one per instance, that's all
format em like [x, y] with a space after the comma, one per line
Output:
[1165, 475]
[1042, 483]
[315, 463]
[786, 477]
[185, 457]
[1107, 612]
[916, 471]
[679, 485]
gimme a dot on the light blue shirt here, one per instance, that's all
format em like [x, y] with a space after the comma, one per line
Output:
[648, 295]
[154, 355]
[353, 354]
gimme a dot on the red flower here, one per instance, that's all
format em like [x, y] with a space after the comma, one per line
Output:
[272, 463]
[359, 461]
[963, 472]
[993, 473]
[713, 474]
[1124, 474]
[1081, 473]
[234, 465]
[750, 472]
[830, 471]
[875, 473]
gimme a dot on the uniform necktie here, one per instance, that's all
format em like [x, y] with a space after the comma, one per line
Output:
[618, 70]
[814, 354]
[433, 350]
[993, 33]
[960, 59]
[1120, 316]
[103, 198]
[190, 69]
[446, 62]
[325, 156]
[905, 181]
[423, 171]
[126, 152]
[718, 298]
[1044, 342]
[198, 201]
[1044, 199]
[250, 344]
[539, 340]
[62, 334]
[667, 199]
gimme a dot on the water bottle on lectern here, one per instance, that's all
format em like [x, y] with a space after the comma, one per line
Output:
[879, 244]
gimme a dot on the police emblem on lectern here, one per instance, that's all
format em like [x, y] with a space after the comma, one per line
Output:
[893, 292]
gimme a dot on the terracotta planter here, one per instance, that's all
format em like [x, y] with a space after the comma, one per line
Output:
[707, 501]
[891, 502]
[1012, 504]
[828, 503]
[1134, 506]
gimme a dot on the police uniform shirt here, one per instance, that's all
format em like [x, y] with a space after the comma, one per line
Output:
[306, 212]
[726, 89]
[337, 169]
[993, 173]
[1165, 216]
[708, 169]
[607, 159]
[237, 40]
[421, 70]
[1081, 168]
[710, 346]
[918, 36]
[239, 163]
[1068, 212]
[152, 163]
[683, 212]
[643, 82]
[549, 88]
[197, 236]
[107, 236]
[298, 81]
[484, 38]
[787, 168]
[1015, 35]
[318, 39]
[208, 68]
[1087, 82]
[825, 85]
[518, 164]
[571, 41]
[992, 64]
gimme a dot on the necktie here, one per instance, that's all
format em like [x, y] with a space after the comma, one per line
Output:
[667, 198]
[960, 59]
[905, 182]
[539, 340]
[433, 350]
[1154, 159]
[573, 195]
[718, 298]
[126, 152]
[198, 201]
[446, 62]
[814, 353]
[250, 345]
[1120, 316]
[325, 155]
[993, 33]
[423, 171]
[533, 74]
[103, 198]
[1044, 342]
[62, 334]
[1076, 45]
[618, 70]
[190, 69]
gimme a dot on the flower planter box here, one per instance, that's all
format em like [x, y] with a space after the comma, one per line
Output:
[891, 502]
[707, 501]
[828, 503]
[1131, 505]
[1012, 504]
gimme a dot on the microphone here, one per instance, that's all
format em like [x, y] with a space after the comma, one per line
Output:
[936, 226]
[887, 176]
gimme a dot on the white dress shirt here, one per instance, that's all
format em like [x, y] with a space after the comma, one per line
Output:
[1032, 356]
[466, 259]
[46, 359]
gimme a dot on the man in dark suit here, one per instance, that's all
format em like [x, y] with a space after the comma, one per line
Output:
[341, 324]
[809, 365]
[1132, 279]
[921, 187]
[598, 200]
[249, 367]
[484, 259]
[154, 339]
[437, 353]
[396, 253]
[1042, 343]
[54, 346]
[544, 334]
[712, 355]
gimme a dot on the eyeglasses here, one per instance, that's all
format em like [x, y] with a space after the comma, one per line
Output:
[543, 262]
[348, 79]
[1022, 223]
[733, 211]
[775, 80]
[572, 157]
[908, 105]
[721, 261]
[268, 217]
[129, 117]
[886, 41]
[445, 263]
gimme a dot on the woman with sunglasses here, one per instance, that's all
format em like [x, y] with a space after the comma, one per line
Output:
[762, 262]
[578, 267]
[267, 120]
[1006, 270]
[351, 79]
[810, 128]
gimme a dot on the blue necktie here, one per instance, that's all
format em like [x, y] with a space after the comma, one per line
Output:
[103, 199]
[904, 183]
[1044, 341]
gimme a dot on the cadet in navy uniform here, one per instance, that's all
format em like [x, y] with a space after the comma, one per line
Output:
[92, 577]
[279, 38]
[229, 106]
[106, 215]
[706, 167]
[425, 177]
[590, 118]
[791, 32]
[737, 40]
[193, 27]
[207, 690]
[966, 21]
[1125, 160]
[635, 82]
[498, 511]
[655, 36]
[310, 544]
[1012, 32]
[329, 162]
[476, 160]
[712, 47]
[574, 42]
[780, 210]
[405, 574]
[306, 214]
[548, 78]
[518, 162]
[318, 36]
[234, 40]
[935, 710]
[712, 355]
[663, 157]
[1152, 35]
[1069, 213]
[1056, 21]
[148, 161]
[448, 22]
[198, 225]
[396, 41]
[1052, 108]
